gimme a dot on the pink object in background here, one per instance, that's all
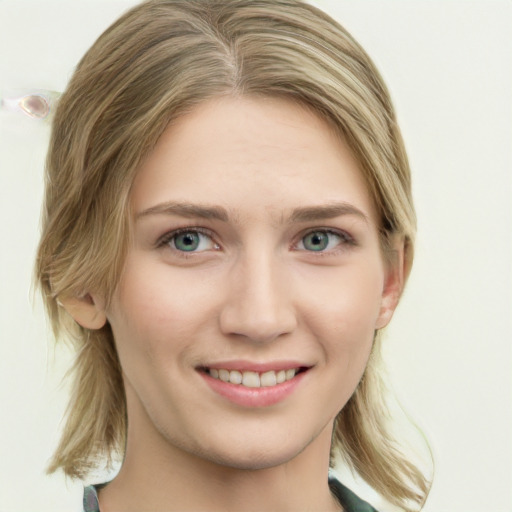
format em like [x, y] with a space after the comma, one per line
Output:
[37, 104]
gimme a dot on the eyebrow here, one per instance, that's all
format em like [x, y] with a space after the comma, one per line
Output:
[189, 210]
[327, 211]
[300, 214]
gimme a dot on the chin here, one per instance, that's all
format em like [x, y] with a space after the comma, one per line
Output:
[258, 454]
[251, 461]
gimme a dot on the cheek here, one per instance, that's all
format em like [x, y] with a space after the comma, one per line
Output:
[152, 324]
[153, 298]
[156, 314]
[344, 309]
[350, 296]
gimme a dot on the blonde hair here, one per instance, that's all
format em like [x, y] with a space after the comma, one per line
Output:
[151, 66]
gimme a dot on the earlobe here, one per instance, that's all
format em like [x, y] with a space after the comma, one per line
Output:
[393, 284]
[86, 311]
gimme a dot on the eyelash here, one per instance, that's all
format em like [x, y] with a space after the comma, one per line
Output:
[345, 240]
[166, 239]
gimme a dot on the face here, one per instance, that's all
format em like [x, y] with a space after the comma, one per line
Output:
[251, 293]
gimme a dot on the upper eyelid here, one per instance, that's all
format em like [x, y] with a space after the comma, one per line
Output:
[335, 231]
[350, 243]
[165, 238]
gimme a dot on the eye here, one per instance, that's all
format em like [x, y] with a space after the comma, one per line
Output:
[322, 241]
[189, 240]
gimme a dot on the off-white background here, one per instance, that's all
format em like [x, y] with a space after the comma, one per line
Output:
[448, 66]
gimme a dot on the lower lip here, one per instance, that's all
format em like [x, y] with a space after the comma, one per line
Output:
[253, 397]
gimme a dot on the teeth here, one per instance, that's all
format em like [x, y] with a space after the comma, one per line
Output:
[224, 375]
[290, 373]
[253, 379]
[235, 377]
[269, 378]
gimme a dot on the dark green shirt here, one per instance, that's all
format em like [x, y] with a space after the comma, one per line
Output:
[349, 501]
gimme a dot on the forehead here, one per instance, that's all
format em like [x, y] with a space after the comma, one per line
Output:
[251, 155]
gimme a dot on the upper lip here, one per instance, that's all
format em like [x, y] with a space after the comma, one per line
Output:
[251, 366]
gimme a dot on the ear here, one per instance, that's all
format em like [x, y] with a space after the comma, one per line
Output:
[87, 311]
[394, 280]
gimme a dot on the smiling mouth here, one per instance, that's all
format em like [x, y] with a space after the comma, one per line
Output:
[251, 379]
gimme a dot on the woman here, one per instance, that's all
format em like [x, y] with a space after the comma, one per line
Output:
[228, 226]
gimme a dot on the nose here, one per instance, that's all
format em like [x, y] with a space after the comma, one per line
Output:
[258, 305]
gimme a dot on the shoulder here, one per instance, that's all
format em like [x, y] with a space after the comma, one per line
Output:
[349, 501]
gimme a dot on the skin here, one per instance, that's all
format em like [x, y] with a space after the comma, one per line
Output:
[254, 290]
